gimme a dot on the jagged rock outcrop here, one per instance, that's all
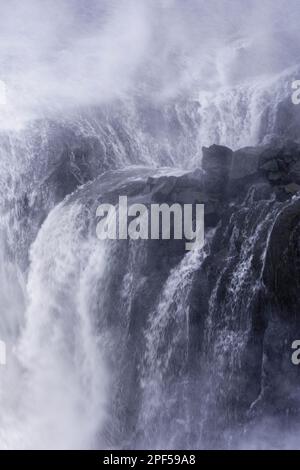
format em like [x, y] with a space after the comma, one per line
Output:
[243, 300]
[247, 288]
[216, 332]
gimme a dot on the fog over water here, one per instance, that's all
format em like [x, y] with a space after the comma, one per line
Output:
[134, 88]
[62, 53]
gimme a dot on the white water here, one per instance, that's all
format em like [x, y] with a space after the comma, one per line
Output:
[53, 392]
[167, 340]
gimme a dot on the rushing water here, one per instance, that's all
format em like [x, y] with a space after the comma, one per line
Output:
[104, 349]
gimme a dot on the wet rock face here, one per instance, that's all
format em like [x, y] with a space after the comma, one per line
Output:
[244, 163]
[274, 165]
[216, 163]
[282, 269]
[252, 281]
[281, 165]
[244, 299]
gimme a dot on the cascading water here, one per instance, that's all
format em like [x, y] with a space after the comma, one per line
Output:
[58, 351]
[248, 113]
[130, 344]
[229, 324]
[165, 371]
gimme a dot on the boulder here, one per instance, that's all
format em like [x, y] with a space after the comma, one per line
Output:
[292, 188]
[216, 163]
[245, 162]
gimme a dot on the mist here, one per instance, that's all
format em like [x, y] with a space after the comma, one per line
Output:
[57, 54]
[95, 96]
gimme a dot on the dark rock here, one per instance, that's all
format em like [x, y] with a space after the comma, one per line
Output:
[295, 171]
[188, 196]
[281, 274]
[292, 188]
[216, 163]
[275, 176]
[192, 178]
[245, 162]
[270, 165]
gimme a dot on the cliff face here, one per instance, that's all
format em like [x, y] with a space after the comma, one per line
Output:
[244, 303]
[248, 289]
[205, 339]
[197, 346]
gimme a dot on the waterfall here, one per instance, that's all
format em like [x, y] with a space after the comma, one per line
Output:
[248, 113]
[165, 369]
[138, 344]
[58, 372]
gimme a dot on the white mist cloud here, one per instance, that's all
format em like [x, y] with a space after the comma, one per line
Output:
[59, 53]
